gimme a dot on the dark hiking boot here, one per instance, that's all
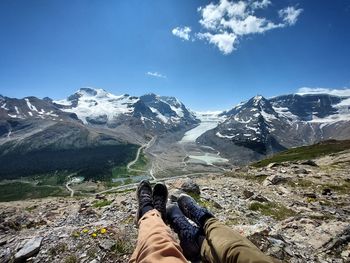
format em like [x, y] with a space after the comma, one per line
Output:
[160, 198]
[189, 235]
[144, 199]
[192, 210]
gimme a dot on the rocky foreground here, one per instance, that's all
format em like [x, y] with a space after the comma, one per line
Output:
[295, 212]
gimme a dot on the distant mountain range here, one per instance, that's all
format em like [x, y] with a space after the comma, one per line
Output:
[35, 132]
[263, 126]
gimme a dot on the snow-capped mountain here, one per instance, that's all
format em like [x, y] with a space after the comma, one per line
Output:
[155, 113]
[91, 129]
[263, 126]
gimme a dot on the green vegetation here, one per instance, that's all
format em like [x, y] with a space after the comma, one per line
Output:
[275, 210]
[71, 259]
[306, 152]
[301, 183]
[94, 162]
[341, 188]
[102, 203]
[58, 249]
[258, 179]
[141, 163]
[202, 202]
[31, 208]
[19, 190]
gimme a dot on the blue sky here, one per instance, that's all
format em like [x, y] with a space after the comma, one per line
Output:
[52, 48]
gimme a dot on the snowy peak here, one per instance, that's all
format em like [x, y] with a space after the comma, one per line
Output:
[99, 107]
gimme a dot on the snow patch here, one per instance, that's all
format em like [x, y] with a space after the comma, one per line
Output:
[31, 106]
[159, 115]
[3, 106]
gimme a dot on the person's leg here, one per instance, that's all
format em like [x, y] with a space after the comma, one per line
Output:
[222, 243]
[155, 242]
[189, 235]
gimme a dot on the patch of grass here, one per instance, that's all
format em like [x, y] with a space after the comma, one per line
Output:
[341, 188]
[272, 209]
[303, 183]
[306, 152]
[71, 259]
[123, 246]
[31, 208]
[92, 252]
[19, 190]
[258, 179]
[102, 203]
[58, 249]
[202, 202]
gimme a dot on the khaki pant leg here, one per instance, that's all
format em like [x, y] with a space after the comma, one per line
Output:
[223, 244]
[155, 242]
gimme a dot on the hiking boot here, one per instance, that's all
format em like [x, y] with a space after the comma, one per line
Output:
[193, 211]
[189, 235]
[144, 199]
[160, 198]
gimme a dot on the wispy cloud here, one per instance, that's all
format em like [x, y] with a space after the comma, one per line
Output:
[155, 75]
[337, 92]
[224, 24]
[182, 32]
[290, 15]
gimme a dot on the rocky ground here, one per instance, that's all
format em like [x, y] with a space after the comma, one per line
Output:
[295, 212]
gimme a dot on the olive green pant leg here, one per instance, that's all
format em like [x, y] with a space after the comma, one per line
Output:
[223, 244]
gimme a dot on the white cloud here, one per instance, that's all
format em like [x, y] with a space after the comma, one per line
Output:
[262, 4]
[336, 92]
[183, 33]
[225, 23]
[155, 74]
[224, 41]
[290, 14]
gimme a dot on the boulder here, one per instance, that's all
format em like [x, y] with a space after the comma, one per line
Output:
[275, 179]
[107, 244]
[247, 194]
[327, 191]
[309, 162]
[260, 198]
[29, 249]
[301, 171]
[190, 187]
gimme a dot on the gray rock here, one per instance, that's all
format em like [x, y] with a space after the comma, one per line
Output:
[301, 171]
[310, 195]
[260, 198]
[309, 162]
[275, 179]
[190, 187]
[247, 194]
[29, 249]
[107, 244]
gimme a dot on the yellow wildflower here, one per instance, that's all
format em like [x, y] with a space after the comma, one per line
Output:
[103, 230]
[94, 235]
[85, 230]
